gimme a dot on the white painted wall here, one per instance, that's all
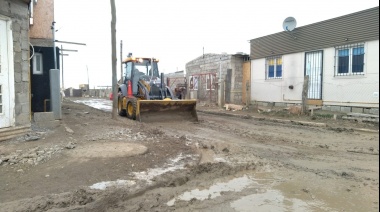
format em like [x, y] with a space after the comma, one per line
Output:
[352, 90]
[277, 90]
[360, 91]
[7, 117]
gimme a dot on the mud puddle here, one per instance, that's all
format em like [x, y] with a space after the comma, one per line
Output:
[174, 164]
[216, 190]
[249, 192]
[101, 104]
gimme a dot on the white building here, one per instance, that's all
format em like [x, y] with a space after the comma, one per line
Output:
[340, 56]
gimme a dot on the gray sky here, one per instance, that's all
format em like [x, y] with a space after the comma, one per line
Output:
[175, 31]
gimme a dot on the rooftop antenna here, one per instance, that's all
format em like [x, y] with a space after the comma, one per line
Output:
[289, 24]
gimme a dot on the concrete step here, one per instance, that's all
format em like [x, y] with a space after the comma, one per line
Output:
[361, 117]
[12, 132]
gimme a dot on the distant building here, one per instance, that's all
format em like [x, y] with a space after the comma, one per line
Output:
[203, 73]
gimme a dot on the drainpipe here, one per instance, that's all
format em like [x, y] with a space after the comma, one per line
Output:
[55, 56]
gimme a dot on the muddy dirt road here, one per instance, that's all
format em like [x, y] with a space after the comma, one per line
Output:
[221, 163]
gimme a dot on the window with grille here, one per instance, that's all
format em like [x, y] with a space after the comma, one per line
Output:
[37, 64]
[274, 67]
[349, 60]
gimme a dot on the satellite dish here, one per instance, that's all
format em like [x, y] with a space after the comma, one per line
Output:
[289, 24]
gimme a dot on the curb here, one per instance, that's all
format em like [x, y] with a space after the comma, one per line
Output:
[304, 123]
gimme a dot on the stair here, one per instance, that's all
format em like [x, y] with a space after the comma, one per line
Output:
[12, 132]
[361, 117]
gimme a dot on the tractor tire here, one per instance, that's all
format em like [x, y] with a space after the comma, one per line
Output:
[120, 110]
[131, 108]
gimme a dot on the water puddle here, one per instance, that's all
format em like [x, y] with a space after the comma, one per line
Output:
[117, 184]
[172, 165]
[273, 200]
[235, 185]
[253, 193]
[101, 104]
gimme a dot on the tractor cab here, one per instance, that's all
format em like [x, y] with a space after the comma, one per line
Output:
[133, 67]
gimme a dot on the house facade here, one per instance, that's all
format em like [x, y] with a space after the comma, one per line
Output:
[41, 53]
[15, 113]
[203, 73]
[339, 56]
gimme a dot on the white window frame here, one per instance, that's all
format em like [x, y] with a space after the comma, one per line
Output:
[350, 56]
[38, 58]
[275, 58]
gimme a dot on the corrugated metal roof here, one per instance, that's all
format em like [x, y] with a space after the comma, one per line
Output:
[352, 28]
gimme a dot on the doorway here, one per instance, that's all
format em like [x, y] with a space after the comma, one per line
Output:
[314, 69]
[7, 103]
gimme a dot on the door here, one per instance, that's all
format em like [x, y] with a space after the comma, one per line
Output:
[5, 110]
[313, 68]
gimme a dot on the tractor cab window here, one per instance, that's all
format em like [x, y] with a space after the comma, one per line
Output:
[155, 70]
[127, 70]
[142, 67]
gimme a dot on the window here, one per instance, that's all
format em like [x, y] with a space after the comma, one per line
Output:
[350, 60]
[193, 83]
[274, 68]
[127, 71]
[37, 64]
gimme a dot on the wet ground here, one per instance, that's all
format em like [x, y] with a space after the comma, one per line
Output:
[221, 163]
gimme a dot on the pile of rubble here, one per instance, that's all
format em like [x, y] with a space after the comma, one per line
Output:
[32, 156]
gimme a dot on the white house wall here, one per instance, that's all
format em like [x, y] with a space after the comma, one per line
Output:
[352, 91]
[277, 90]
[359, 90]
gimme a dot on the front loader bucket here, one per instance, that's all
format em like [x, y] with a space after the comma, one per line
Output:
[166, 110]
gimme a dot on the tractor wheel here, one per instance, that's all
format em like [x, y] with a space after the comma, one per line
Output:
[131, 108]
[120, 110]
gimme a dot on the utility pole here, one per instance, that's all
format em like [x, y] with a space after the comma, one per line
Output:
[121, 61]
[63, 81]
[114, 62]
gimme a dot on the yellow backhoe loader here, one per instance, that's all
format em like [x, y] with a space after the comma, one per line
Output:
[143, 95]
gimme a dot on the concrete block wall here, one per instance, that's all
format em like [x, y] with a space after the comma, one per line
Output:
[332, 108]
[212, 63]
[18, 11]
[237, 80]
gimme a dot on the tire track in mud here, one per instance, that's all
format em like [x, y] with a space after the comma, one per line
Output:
[247, 145]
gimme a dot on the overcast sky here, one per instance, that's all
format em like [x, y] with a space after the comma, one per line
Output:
[175, 31]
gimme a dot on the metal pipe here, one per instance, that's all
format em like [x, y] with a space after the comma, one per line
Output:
[55, 56]
[45, 100]
[351, 102]
[291, 100]
[63, 81]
